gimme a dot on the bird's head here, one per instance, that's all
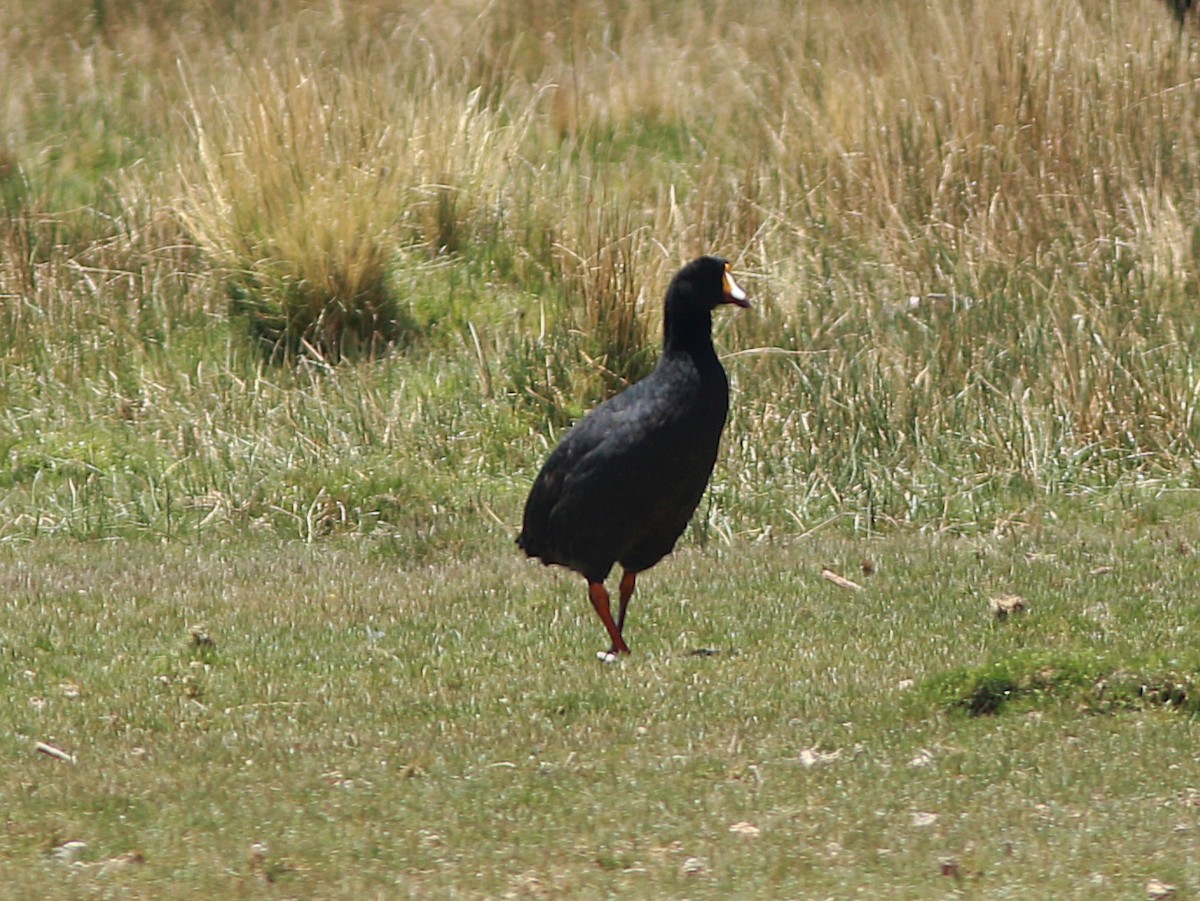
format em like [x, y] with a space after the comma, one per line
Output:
[708, 282]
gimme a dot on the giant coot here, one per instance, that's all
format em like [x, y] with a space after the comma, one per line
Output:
[624, 481]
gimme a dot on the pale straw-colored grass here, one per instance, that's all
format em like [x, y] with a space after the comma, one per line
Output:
[966, 228]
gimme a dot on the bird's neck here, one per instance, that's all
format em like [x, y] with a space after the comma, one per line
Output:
[689, 335]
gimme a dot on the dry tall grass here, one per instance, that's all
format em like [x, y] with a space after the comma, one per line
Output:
[969, 227]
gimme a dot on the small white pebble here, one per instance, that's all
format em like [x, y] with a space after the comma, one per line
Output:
[68, 852]
[693, 866]
[810, 757]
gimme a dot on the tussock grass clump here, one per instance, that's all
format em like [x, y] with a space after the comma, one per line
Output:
[309, 183]
[608, 290]
[1090, 683]
[603, 339]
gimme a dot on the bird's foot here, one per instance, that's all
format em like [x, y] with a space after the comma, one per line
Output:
[612, 655]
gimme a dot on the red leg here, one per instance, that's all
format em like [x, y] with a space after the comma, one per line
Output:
[599, 598]
[627, 584]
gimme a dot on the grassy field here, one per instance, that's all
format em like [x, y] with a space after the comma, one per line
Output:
[329, 721]
[294, 298]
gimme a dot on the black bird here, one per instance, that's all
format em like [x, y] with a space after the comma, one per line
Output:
[624, 481]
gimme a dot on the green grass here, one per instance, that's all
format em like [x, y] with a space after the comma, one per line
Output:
[441, 728]
[272, 599]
